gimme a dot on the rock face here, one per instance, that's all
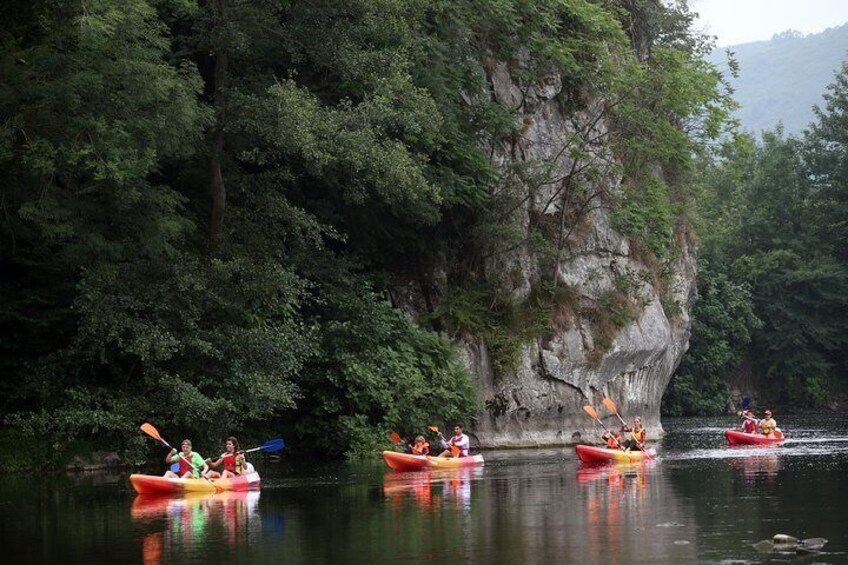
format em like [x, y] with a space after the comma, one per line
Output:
[540, 402]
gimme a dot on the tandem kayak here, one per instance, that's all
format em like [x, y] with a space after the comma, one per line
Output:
[598, 455]
[154, 484]
[735, 437]
[407, 462]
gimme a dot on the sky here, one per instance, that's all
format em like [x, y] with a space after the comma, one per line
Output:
[744, 21]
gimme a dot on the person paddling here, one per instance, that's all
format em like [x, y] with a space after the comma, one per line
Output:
[749, 422]
[192, 464]
[232, 461]
[767, 424]
[638, 436]
[459, 441]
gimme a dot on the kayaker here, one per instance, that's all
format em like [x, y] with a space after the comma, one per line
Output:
[749, 422]
[767, 424]
[613, 440]
[420, 447]
[232, 461]
[459, 441]
[192, 464]
[638, 436]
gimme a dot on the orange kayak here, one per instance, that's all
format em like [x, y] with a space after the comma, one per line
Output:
[154, 484]
[600, 455]
[407, 462]
[735, 437]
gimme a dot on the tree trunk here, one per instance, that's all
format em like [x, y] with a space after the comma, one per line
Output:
[217, 190]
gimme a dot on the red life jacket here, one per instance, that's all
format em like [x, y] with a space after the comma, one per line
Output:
[185, 466]
[229, 462]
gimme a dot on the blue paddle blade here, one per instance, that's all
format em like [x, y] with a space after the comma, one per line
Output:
[746, 402]
[273, 445]
[175, 468]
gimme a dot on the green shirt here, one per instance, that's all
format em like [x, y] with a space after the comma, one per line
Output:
[196, 460]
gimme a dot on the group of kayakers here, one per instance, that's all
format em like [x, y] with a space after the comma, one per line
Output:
[636, 440]
[752, 425]
[193, 465]
[456, 446]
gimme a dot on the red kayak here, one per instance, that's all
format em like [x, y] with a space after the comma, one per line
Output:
[407, 462]
[600, 455]
[735, 437]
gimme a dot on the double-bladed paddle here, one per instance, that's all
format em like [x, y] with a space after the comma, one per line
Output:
[590, 410]
[269, 446]
[154, 433]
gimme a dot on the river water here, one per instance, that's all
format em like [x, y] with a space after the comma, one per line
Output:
[700, 502]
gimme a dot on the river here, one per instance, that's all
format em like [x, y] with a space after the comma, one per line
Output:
[700, 502]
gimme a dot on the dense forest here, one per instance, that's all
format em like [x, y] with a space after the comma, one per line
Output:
[209, 209]
[773, 276]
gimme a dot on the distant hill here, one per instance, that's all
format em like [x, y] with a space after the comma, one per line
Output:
[781, 79]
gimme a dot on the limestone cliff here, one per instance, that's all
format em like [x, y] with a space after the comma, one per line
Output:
[575, 178]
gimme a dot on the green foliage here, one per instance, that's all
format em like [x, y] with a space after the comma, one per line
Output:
[774, 232]
[376, 371]
[723, 321]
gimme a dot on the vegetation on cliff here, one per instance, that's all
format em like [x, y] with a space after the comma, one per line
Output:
[206, 206]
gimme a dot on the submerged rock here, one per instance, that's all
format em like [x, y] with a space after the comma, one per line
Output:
[783, 543]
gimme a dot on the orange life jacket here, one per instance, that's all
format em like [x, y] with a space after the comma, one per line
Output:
[639, 435]
[421, 449]
[614, 441]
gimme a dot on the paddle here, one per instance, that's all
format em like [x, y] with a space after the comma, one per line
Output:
[154, 433]
[395, 437]
[611, 406]
[269, 446]
[590, 410]
[453, 449]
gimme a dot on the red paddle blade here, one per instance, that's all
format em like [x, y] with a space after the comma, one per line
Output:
[396, 437]
[591, 411]
[610, 405]
[151, 431]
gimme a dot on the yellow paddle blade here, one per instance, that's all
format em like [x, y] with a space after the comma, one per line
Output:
[433, 428]
[610, 405]
[590, 410]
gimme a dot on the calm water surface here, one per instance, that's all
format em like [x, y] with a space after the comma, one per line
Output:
[701, 502]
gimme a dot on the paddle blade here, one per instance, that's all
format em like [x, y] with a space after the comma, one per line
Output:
[591, 411]
[396, 437]
[778, 434]
[272, 445]
[433, 428]
[454, 451]
[610, 405]
[175, 468]
[151, 431]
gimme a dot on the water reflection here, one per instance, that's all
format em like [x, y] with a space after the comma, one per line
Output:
[184, 524]
[431, 489]
[757, 465]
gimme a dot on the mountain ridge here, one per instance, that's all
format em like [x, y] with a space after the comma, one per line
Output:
[781, 79]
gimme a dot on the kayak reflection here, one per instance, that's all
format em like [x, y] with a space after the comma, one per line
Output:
[616, 474]
[431, 489]
[757, 465]
[192, 519]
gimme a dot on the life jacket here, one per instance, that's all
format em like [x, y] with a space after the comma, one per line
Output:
[229, 462]
[639, 435]
[421, 449]
[749, 426]
[614, 441]
[185, 466]
[767, 426]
